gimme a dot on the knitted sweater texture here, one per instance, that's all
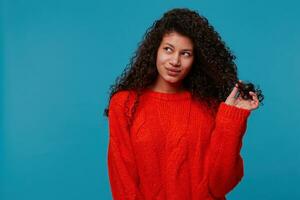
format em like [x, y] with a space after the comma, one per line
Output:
[175, 149]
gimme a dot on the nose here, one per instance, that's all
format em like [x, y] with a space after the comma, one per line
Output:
[175, 60]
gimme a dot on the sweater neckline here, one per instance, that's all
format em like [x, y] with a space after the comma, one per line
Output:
[168, 96]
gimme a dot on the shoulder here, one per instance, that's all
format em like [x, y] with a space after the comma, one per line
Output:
[122, 98]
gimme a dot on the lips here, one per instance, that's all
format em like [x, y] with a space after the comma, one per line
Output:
[173, 70]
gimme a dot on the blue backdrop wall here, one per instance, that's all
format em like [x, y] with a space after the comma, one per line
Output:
[59, 57]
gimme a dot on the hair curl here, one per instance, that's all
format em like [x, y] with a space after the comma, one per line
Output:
[213, 74]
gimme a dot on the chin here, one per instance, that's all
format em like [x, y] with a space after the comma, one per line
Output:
[171, 79]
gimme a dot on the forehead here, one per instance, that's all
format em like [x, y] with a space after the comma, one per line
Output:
[177, 40]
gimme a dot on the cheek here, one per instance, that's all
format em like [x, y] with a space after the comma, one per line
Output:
[186, 71]
[161, 59]
[188, 65]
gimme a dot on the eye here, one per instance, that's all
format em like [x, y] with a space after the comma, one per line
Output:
[187, 54]
[167, 48]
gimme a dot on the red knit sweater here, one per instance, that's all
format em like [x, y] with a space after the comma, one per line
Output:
[175, 149]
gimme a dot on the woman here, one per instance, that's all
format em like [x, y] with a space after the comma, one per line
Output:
[176, 115]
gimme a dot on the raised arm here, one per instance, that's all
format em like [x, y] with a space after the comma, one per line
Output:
[224, 164]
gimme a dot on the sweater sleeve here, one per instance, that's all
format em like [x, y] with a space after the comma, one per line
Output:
[224, 165]
[122, 168]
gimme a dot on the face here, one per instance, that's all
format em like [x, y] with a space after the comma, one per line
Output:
[174, 59]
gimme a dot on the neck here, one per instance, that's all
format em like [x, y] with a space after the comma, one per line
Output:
[166, 87]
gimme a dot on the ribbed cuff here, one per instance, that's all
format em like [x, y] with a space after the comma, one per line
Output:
[232, 113]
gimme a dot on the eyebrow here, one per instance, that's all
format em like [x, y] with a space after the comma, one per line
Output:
[174, 47]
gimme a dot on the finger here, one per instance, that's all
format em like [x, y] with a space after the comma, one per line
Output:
[234, 91]
[254, 96]
[255, 100]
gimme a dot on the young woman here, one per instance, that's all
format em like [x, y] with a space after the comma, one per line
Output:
[177, 116]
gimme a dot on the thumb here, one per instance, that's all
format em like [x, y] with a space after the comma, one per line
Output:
[234, 91]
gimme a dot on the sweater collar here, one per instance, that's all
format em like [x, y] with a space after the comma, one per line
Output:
[167, 96]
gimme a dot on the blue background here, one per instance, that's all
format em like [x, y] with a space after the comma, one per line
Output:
[58, 59]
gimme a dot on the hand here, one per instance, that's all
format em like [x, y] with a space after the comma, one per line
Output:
[239, 102]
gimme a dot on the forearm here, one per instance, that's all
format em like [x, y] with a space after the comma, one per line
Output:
[224, 165]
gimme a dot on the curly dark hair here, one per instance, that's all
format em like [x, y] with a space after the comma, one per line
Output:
[213, 73]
